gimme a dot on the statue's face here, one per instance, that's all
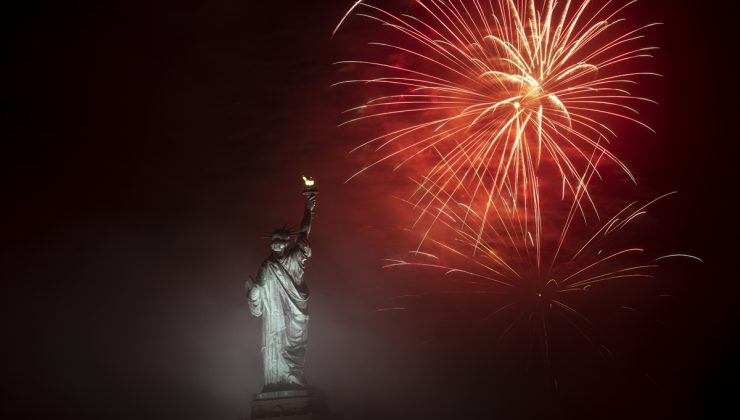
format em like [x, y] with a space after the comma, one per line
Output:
[278, 245]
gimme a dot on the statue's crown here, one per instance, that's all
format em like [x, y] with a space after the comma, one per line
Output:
[282, 234]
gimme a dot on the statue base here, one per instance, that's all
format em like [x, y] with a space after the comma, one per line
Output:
[300, 404]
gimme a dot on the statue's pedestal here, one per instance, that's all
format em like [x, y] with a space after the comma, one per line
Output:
[303, 404]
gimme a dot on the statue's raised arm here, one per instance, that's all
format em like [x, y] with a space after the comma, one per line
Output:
[310, 191]
[308, 215]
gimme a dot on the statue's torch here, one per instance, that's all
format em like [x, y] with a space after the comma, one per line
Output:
[309, 188]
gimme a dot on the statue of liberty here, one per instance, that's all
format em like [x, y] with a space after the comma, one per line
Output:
[280, 297]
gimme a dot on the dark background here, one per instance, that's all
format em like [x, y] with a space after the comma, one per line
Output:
[149, 146]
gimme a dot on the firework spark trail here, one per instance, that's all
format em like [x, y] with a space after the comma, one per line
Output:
[492, 91]
[504, 265]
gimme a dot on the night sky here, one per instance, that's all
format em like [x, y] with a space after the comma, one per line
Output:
[149, 146]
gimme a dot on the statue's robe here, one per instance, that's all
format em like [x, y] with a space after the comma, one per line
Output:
[280, 297]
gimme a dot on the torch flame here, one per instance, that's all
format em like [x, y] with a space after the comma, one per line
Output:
[308, 181]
